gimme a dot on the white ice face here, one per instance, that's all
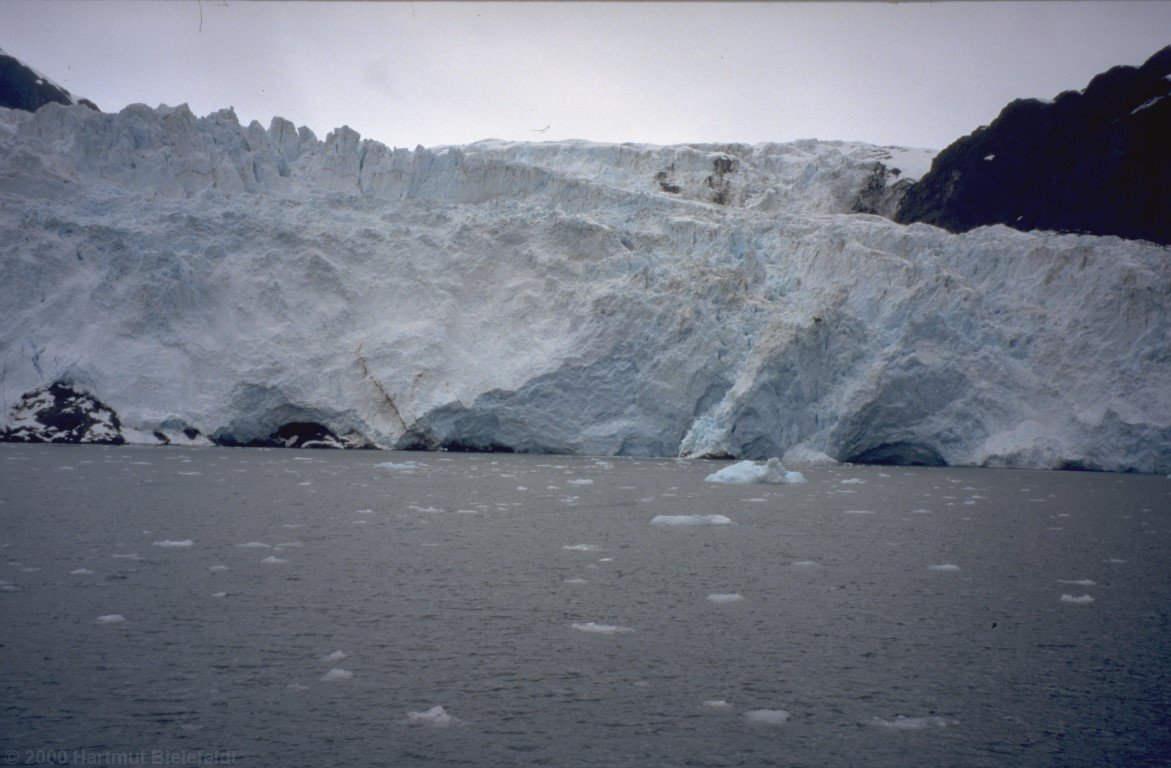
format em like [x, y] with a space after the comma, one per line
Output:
[568, 296]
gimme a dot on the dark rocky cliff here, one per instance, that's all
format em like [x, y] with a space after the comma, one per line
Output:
[22, 88]
[1098, 161]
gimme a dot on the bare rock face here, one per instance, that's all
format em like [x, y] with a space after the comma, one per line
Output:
[1094, 162]
[58, 413]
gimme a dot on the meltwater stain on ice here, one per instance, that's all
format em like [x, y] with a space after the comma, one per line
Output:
[600, 629]
[766, 716]
[701, 520]
[436, 717]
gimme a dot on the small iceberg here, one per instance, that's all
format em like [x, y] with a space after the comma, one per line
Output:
[766, 716]
[701, 520]
[336, 674]
[1079, 600]
[770, 471]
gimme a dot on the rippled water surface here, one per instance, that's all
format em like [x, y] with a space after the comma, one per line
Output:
[186, 606]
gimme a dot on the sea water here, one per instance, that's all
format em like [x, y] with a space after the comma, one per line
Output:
[328, 608]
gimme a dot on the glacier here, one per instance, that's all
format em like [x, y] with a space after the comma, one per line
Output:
[212, 281]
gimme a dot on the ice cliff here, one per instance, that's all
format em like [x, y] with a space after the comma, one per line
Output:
[205, 279]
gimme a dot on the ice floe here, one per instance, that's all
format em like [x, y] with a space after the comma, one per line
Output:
[180, 544]
[335, 656]
[943, 567]
[725, 597]
[716, 704]
[405, 466]
[696, 520]
[81, 572]
[219, 568]
[903, 723]
[600, 629]
[436, 717]
[766, 716]
[1078, 582]
[770, 471]
[273, 559]
[582, 547]
[576, 581]
[336, 674]
[255, 545]
[111, 618]
[1079, 600]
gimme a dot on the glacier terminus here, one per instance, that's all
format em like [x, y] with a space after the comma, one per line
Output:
[206, 281]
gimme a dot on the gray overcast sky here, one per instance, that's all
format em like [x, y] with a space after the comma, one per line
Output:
[915, 74]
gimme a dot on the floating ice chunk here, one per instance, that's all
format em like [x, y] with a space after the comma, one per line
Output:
[273, 559]
[1078, 582]
[192, 474]
[582, 547]
[255, 545]
[337, 674]
[219, 594]
[702, 520]
[81, 572]
[600, 629]
[1079, 600]
[576, 581]
[335, 656]
[751, 472]
[943, 567]
[716, 704]
[130, 556]
[580, 481]
[852, 481]
[406, 466]
[435, 717]
[729, 597]
[903, 723]
[174, 544]
[805, 564]
[219, 568]
[605, 559]
[111, 618]
[766, 716]
[858, 512]
[1115, 560]
[467, 512]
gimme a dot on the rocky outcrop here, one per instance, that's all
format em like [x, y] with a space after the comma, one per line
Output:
[58, 413]
[1096, 161]
[21, 87]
